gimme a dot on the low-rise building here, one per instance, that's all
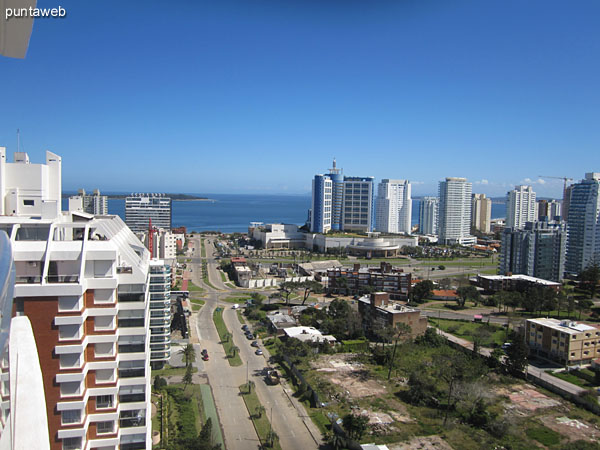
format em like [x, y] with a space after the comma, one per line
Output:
[377, 312]
[243, 273]
[384, 278]
[308, 334]
[279, 321]
[495, 283]
[564, 341]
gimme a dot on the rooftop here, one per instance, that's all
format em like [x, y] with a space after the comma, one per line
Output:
[520, 277]
[566, 326]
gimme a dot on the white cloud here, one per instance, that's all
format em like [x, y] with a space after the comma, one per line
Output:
[541, 181]
[484, 182]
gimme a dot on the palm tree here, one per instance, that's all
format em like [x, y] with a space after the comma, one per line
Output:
[187, 378]
[189, 354]
[227, 336]
[272, 437]
[234, 351]
[259, 410]
[250, 385]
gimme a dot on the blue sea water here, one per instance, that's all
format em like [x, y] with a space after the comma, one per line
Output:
[231, 213]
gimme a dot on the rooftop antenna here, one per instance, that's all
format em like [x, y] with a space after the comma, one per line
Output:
[18, 140]
[334, 169]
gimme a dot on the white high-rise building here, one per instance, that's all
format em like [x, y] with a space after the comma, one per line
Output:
[481, 213]
[83, 283]
[454, 223]
[141, 208]
[393, 206]
[321, 211]
[521, 207]
[428, 215]
[92, 204]
[583, 244]
[160, 313]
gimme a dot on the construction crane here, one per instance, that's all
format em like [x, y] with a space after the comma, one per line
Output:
[565, 179]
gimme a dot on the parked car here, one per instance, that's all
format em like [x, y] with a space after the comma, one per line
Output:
[245, 327]
[204, 352]
[258, 351]
[250, 336]
[205, 357]
[254, 344]
[236, 306]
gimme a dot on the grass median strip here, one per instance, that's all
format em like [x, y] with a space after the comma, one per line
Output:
[258, 414]
[231, 350]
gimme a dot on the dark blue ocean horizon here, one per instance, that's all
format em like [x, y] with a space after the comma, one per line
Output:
[231, 213]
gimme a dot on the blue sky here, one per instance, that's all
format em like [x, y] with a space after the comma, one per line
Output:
[258, 96]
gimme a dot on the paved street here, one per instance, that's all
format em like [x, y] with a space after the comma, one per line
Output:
[288, 417]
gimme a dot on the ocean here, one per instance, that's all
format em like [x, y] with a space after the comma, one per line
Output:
[231, 213]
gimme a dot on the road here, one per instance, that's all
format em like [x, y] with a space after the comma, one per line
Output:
[438, 313]
[288, 418]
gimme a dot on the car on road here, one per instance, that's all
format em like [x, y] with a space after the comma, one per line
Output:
[236, 306]
[250, 336]
[258, 351]
[254, 344]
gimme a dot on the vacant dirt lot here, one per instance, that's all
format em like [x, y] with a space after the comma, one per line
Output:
[352, 377]
[422, 443]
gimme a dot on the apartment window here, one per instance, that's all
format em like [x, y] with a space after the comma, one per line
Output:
[105, 427]
[105, 375]
[104, 323]
[66, 332]
[104, 401]
[586, 352]
[104, 349]
[70, 389]
[562, 344]
[28, 202]
[71, 416]
[572, 353]
[70, 361]
[69, 304]
[73, 443]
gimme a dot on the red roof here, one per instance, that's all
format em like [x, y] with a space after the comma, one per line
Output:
[444, 293]
[184, 285]
[238, 260]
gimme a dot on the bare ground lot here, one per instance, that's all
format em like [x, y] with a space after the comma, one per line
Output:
[351, 376]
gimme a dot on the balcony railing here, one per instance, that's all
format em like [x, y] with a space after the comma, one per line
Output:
[131, 398]
[131, 373]
[133, 422]
[71, 278]
[28, 279]
[131, 323]
[137, 297]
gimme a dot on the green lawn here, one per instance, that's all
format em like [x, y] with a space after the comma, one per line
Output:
[223, 276]
[202, 249]
[492, 334]
[168, 370]
[193, 288]
[227, 344]
[240, 300]
[572, 377]
[261, 424]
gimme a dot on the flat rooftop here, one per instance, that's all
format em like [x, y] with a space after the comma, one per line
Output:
[520, 277]
[565, 326]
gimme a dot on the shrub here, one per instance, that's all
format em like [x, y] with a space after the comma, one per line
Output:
[543, 435]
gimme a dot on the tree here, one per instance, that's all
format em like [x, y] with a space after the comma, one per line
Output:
[422, 290]
[286, 289]
[584, 304]
[401, 332]
[257, 299]
[516, 355]
[467, 293]
[452, 368]
[227, 336]
[355, 425]
[309, 287]
[249, 385]
[234, 350]
[272, 437]
[188, 353]
[336, 441]
[445, 283]
[159, 382]
[188, 377]
[590, 277]
[259, 410]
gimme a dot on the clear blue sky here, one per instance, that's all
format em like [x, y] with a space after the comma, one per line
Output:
[258, 96]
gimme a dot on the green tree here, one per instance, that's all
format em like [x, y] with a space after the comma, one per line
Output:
[589, 278]
[286, 289]
[227, 336]
[259, 410]
[401, 333]
[309, 287]
[355, 425]
[234, 350]
[584, 304]
[516, 355]
[188, 377]
[188, 353]
[336, 441]
[272, 437]
[250, 385]
[257, 299]
[421, 291]
[466, 293]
